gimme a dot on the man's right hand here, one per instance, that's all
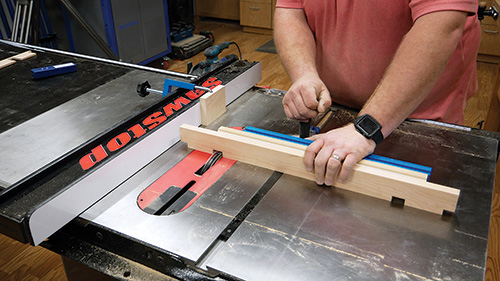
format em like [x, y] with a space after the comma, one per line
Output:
[307, 97]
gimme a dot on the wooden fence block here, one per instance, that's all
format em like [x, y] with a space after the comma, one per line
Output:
[6, 62]
[372, 181]
[23, 56]
[19, 57]
[213, 105]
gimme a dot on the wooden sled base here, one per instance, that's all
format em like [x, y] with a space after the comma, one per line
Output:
[380, 181]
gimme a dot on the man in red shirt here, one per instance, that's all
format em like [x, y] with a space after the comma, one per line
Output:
[390, 59]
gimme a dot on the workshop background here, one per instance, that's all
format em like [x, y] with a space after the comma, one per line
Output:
[210, 22]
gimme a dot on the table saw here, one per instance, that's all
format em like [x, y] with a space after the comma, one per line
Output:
[80, 149]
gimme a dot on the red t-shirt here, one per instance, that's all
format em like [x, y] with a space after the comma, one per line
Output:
[356, 41]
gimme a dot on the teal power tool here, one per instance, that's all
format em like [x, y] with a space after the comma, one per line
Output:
[212, 58]
[144, 88]
[212, 53]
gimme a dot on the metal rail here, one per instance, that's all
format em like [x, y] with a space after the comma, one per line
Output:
[120, 63]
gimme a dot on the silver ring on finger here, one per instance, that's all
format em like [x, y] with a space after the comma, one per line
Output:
[336, 157]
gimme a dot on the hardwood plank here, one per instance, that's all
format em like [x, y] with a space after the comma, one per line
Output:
[23, 262]
[366, 180]
[493, 259]
[477, 106]
[489, 90]
[492, 121]
[493, 262]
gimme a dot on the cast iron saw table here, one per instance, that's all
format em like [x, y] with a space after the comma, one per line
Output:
[252, 223]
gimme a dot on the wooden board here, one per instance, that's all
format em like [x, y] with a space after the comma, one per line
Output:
[19, 57]
[371, 181]
[213, 105]
[23, 56]
[6, 62]
[364, 162]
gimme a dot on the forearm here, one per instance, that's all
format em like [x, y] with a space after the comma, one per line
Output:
[295, 43]
[416, 67]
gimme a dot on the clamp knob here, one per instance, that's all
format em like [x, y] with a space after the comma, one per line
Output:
[142, 89]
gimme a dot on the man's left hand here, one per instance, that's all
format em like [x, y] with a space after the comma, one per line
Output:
[333, 155]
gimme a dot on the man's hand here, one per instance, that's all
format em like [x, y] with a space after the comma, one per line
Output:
[334, 154]
[307, 97]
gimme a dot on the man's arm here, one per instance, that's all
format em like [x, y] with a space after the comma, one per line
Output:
[297, 50]
[416, 67]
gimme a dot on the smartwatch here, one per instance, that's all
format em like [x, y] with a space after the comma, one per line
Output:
[369, 128]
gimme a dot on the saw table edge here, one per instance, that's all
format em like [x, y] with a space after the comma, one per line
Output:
[372, 181]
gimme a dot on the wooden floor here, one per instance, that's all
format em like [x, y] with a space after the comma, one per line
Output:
[23, 262]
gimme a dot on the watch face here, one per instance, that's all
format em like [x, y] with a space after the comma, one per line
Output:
[368, 125]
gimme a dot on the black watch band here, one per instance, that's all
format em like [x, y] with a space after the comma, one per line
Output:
[369, 127]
